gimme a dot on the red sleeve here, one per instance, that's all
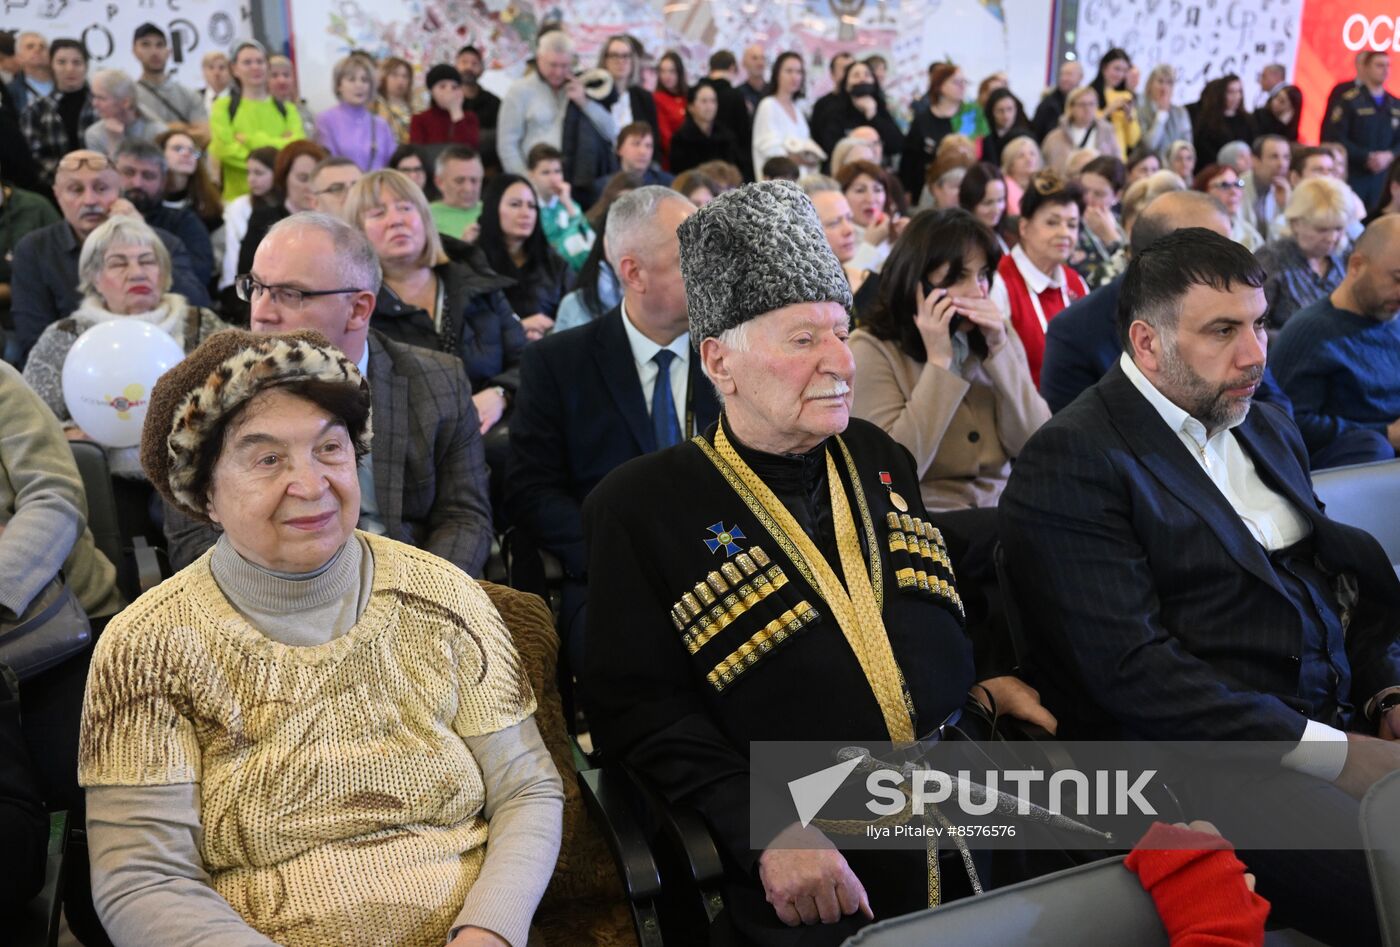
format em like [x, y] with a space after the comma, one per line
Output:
[1198, 886]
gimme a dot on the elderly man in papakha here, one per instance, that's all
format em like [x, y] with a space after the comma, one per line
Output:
[306, 736]
[776, 578]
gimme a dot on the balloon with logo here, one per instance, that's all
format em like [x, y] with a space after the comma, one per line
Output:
[109, 374]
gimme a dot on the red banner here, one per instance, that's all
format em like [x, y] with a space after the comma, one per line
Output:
[1330, 36]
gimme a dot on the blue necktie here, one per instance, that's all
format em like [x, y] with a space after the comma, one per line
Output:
[663, 405]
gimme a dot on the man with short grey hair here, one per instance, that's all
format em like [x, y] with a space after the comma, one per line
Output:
[1047, 114]
[594, 397]
[533, 108]
[425, 481]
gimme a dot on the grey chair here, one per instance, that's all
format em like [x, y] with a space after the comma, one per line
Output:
[1380, 829]
[1101, 903]
[1366, 496]
[139, 567]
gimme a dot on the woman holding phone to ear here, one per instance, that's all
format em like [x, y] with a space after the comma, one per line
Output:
[939, 369]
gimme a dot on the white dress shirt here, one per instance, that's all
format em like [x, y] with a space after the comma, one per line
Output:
[622, 109]
[644, 350]
[1270, 519]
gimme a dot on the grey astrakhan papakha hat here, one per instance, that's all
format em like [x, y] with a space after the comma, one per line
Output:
[753, 250]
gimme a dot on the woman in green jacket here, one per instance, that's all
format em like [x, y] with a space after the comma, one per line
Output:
[248, 118]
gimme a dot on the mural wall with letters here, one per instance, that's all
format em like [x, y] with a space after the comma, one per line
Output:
[1203, 39]
[105, 26]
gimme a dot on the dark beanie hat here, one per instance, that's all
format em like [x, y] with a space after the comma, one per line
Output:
[225, 372]
[442, 72]
[753, 250]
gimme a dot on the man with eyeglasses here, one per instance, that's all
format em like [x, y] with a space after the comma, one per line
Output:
[330, 183]
[88, 189]
[425, 480]
[142, 168]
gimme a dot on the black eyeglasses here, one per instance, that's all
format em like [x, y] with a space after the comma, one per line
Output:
[249, 289]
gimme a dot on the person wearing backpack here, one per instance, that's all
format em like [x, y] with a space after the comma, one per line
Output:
[248, 117]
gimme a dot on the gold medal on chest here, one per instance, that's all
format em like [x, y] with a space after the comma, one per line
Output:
[896, 500]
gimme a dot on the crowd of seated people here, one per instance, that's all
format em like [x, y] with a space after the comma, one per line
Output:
[427, 322]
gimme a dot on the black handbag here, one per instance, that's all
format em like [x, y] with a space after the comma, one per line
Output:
[52, 629]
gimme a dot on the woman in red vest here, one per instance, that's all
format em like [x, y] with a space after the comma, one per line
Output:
[1033, 282]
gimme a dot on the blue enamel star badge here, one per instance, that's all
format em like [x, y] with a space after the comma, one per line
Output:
[725, 538]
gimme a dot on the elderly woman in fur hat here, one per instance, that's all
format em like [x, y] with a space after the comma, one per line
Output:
[306, 736]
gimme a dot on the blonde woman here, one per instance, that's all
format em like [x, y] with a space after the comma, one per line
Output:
[1181, 159]
[1081, 127]
[1020, 159]
[1142, 192]
[1162, 121]
[431, 301]
[1305, 262]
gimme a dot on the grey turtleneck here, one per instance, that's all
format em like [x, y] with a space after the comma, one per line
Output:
[300, 610]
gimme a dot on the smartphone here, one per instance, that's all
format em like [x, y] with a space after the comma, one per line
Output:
[957, 321]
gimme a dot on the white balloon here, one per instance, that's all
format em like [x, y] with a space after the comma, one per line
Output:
[108, 376]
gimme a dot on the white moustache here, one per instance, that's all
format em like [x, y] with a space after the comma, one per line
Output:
[836, 391]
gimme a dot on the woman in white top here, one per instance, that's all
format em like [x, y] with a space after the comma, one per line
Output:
[239, 211]
[778, 121]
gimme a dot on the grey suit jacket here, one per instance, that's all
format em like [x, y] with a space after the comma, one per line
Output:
[430, 476]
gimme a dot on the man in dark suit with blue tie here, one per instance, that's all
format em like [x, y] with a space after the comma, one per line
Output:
[616, 388]
[1225, 605]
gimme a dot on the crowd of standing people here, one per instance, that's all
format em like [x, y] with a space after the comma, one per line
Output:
[528, 292]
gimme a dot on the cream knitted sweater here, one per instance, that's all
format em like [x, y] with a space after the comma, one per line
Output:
[339, 803]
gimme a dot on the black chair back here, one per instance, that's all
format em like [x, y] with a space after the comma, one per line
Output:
[101, 502]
